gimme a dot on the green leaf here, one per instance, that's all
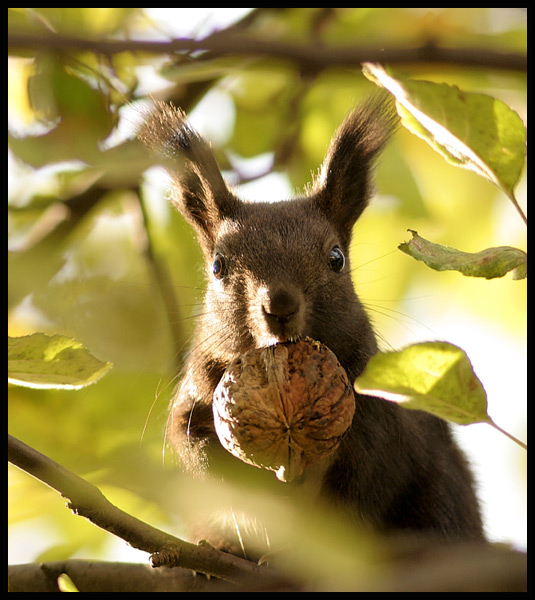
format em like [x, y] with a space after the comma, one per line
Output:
[489, 263]
[470, 130]
[43, 361]
[436, 377]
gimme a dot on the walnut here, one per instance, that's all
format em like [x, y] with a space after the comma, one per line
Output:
[284, 407]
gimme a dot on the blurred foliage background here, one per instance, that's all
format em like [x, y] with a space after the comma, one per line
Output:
[96, 253]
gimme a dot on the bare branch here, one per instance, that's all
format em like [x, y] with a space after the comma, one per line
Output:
[100, 576]
[310, 57]
[87, 500]
[410, 564]
[407, 567]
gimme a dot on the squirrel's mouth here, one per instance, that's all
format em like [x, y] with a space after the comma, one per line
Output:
[267, 340]
[273, 329]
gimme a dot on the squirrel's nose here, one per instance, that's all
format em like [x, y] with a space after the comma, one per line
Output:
[282, 305]
[282, 308]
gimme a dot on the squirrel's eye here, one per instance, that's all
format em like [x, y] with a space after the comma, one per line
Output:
[219, 266]
[337, 260]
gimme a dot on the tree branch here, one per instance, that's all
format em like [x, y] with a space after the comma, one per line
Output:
[410, 565]
[461, 567]
[310, 57]
[87, 500]
[100, 576]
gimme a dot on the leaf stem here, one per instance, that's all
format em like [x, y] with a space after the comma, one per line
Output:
[509, 435]
[518, 208]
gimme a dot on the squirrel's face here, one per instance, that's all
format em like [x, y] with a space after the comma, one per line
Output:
[275, 274]
[277, 271]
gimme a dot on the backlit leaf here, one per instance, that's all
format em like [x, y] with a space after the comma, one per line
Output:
[436, 377]
[470, 130]
[43, 361]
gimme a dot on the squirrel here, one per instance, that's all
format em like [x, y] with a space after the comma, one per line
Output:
[280, 271]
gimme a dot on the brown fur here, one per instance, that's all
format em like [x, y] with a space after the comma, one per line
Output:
[395, 469]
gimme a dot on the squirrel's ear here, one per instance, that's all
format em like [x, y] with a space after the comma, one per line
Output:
[200, 192]
[343, 189]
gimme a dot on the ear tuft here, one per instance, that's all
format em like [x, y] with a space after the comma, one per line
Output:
[200, 192]
[344, 187]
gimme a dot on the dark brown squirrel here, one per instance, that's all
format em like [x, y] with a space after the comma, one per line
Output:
[280, 271]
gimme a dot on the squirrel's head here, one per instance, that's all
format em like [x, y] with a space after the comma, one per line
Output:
[280, 270]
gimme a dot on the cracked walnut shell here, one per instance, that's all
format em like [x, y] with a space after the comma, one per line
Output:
[284, 407]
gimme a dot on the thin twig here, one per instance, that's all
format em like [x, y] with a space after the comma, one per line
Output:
[165, 285]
